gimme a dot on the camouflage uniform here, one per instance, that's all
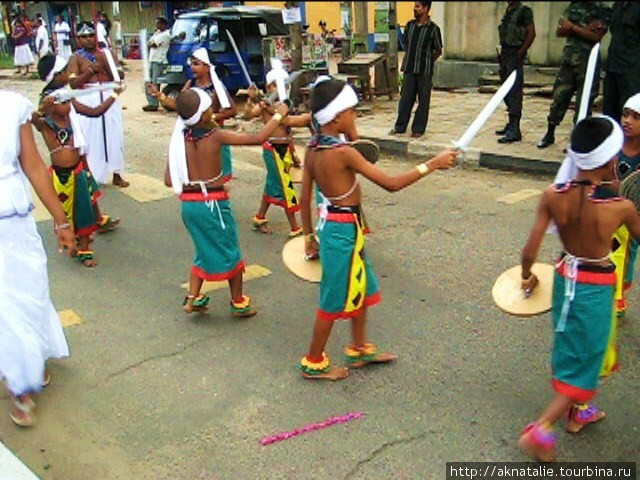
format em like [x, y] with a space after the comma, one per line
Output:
[512, 31]
[575, 56]
[623, 60]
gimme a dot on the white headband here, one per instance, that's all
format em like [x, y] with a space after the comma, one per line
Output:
[633, 103]
[346, 99]
[202, 55]
[178, 169]
[58, 66]
[205, 103]
[603, 153]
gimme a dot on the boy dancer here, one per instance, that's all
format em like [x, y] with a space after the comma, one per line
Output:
[278, 154]
[223, 106]
[76, 188]
[624, 247]
[586, 215]
[349, 285]
[195, 172]
[29, 325]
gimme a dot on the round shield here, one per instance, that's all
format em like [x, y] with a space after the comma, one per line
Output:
[294, 258]
[630, 188]
[511, 298]
[368, 149]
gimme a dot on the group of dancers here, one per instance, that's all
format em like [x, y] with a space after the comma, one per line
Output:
[585, 207]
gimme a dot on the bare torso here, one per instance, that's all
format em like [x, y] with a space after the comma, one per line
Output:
[333, 176]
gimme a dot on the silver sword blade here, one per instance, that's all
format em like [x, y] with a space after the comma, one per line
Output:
[588, 81]
[239, 57]
[485, 113]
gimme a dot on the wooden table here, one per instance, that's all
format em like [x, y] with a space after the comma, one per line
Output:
[360, 65]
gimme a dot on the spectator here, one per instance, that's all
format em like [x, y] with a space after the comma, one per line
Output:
[22, 56]
[583, 24]
[424, 46]
[62, 37]
[623, 61]
[516, 31]
[158, 47]
[42, 39]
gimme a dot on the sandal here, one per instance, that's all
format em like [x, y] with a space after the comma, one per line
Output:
[581, 415]
[261, 224]
[243, 309]
[358, 357]
[322, 370]
[192, 303]
[86, 258]
[22, 412]
[539, 442]
[107, 224]
[295, 233]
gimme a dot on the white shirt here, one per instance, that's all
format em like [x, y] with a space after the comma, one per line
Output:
[14, 192]
[101, 31]
[42, 35]
[161, 39]
[62, 31]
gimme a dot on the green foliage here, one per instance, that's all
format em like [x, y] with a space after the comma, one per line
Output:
[6, 62]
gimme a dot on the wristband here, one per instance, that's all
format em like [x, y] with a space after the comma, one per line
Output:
[114, 95]
[423, 169]
[277, 117]
[62, 226]
[72, 76]
[310, 236]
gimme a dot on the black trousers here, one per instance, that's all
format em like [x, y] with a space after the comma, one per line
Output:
[414, 86]
[510, 60]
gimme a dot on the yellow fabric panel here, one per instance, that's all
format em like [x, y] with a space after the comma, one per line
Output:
[357, 275]
[67, 189]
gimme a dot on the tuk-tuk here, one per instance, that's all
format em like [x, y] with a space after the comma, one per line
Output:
[207, 28]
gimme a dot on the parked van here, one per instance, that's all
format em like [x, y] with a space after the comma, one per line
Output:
[207, 28]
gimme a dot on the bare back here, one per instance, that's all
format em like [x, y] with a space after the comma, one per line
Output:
[203, 159]
[330, 169]
[586, 224]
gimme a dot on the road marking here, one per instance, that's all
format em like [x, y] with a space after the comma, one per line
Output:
[143, 188]
[69, 318]
[251, 272]
[519, 196]
[11, 468]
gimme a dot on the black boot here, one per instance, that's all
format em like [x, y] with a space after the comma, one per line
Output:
[513, 131]
[548, 138]
[503, 130]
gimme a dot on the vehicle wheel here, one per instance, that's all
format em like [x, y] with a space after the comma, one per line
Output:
[171, 91]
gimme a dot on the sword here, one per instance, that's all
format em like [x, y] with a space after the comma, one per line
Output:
[239, 57]
[588, 81]
[144, 53]
[64, 94]
[281, 76]
[485, 113]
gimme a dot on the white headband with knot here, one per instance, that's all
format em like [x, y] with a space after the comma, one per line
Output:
[345, 100]
[591, 160]
[58, 66]
[633, 103]
[202, 55]
[178, 168]
[604, 152]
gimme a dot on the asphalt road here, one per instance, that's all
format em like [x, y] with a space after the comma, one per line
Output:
[151, 393]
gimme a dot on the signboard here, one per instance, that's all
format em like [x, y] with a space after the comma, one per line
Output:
[291, 15]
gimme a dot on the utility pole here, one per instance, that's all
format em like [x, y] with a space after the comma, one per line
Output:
[295, 33]
[386, 42]
[361, 30]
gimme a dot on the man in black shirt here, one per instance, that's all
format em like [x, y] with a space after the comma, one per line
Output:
[424, 46]
[623, 61]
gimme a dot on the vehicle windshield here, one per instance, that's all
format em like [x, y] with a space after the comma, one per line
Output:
[188, 29]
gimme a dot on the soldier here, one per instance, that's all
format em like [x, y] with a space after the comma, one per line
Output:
[517, 32]
[584, 24]
[623, 61]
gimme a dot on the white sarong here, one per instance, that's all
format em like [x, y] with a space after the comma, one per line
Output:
[100, 132]
[22, 56]
[30, 329]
